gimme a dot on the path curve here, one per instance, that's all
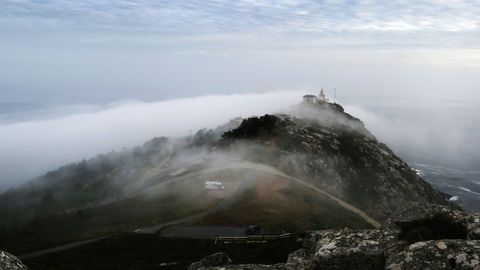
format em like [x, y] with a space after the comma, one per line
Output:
[223, 205]
[275, 171]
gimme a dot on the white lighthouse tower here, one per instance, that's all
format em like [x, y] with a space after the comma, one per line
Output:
[322, 97]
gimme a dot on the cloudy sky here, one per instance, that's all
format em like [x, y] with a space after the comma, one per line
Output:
[97, 51]
[78, 78]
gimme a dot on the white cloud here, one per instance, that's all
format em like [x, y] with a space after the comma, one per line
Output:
[438, 133]
[302, 13]
[388, 26]
[249, 15]
[33, 147]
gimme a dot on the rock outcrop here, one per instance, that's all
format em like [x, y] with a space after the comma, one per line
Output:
[217, 259]
[437, 254]
[434, 222]
[10, 262]
[431, 237]
[334, 151]
[346, 249]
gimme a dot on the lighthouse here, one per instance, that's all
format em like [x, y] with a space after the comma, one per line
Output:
[322, 97]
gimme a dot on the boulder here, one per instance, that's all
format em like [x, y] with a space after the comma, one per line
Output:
[298, 260]
[10, 262]
[437, 254]
[473, 227]
[474, 233]
[430, 222]
[252, 267]
[217, 259]
[347, 249]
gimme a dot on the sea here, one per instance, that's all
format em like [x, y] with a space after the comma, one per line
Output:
[462, 185]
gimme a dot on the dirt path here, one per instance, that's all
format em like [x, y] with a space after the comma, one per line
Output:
[58, 248]
[271, 170]
[221, 206]
[152, 229]
[274, 171]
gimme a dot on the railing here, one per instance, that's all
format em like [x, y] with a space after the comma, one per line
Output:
[253, 238]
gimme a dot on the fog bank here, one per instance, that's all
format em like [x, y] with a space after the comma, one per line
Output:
[442, 133]
[436, 133]
[30, 148]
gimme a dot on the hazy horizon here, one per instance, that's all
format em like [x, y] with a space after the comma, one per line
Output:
[79, 73]
[34, 142]
[64, 52]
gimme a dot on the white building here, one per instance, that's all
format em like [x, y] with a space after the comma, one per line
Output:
[213, 185]
[310, 99]
[314, 99]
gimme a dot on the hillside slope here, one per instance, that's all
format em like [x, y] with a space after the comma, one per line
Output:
[317, 164]
[334, 151]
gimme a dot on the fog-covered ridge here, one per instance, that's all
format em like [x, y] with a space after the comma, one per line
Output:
[438, 133]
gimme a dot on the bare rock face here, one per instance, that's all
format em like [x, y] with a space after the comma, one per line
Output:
[221, 261]
[10, 262]
[298, 260]
[473, 227]
[474, 232]
[217, 259]
[346, 249]
[251, 267]
[421, 237]
[439, 254]
[433, 222]
[334, 151]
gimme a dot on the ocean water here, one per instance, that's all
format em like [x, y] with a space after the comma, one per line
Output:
[439, 138]
[462, 184]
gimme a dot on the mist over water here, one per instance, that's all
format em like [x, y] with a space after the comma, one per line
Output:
[440, 132]
[429, 135]
[33, 146]
[438, 138]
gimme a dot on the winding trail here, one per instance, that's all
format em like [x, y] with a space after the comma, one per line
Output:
[58, 248]
[275, 171]
[221, 206]
[262, 168]
[152, 229]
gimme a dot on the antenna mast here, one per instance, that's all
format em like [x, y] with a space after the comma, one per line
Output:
[334, 95]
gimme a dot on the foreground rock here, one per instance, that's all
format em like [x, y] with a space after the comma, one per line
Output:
[346, 249]
[440, 254]
[431, 222]
[10, 262]
[217, 259]
[421, 237]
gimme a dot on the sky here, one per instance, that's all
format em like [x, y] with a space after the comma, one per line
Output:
[94, 51]
[78, 78]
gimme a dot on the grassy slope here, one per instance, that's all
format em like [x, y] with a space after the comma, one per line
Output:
[122, 216]
[279, 204]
